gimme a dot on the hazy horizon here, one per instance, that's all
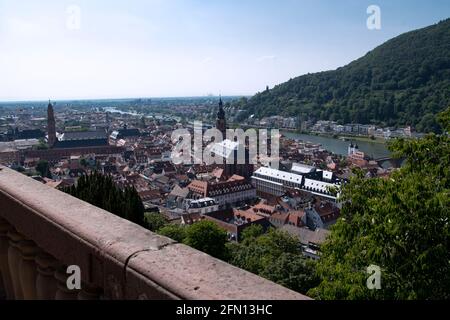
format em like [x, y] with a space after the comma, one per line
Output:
[123, 99]
[184, 49]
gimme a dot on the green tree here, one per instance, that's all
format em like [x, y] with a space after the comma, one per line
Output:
[444, 120]
[84, 162]
[43, 168]
[174, 231]
[206, 236]
[428, 123]
[251, 233]
[155, 221]
[101, 191]
[133, 207]
[400, 224]
[292, 271]
[276, 256]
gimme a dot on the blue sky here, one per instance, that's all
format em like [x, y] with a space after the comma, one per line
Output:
[155, 48]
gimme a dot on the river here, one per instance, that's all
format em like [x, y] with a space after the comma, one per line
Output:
[337, 146]
[114, 110]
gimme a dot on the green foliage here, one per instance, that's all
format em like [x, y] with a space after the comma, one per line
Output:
[155, 221]
[174, 231]
[276, 256]
[42, 145]
[206, 236]
[444, 119]
[404, 81]
[101, 191]
[84, 162]
[43, 168]
[400, 224]
[251, 233]
[292, 271]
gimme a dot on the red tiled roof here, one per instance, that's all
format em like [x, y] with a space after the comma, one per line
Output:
[327, 210]
[280, 217]
[211, 189]
[150, 195]
[295, 217]
[263, 208]
[250, 217]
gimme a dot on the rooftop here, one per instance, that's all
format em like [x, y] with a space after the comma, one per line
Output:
[302, 168]
[278, 174]
[83, 135]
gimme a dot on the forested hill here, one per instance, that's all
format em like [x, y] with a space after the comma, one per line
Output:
[404, 81]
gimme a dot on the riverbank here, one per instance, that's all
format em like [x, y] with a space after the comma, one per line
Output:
[338, 146]
[342, 137]
[373, 148]
[356, 138]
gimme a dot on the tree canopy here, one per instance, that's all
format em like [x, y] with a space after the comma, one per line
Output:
[173, 231]
[276, 256]
[400, 224]
[204, 235]
[101, 191]
[155, 221]
[43, 168]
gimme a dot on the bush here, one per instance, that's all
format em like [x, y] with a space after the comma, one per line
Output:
[173, 231]
[206, 236]
[155, 221]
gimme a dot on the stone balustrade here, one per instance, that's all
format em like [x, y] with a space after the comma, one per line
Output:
[44, 231]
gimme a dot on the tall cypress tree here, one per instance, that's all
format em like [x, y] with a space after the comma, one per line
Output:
[101, 191]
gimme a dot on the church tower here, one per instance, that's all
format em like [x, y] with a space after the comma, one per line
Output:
[221, 123]
[350, 149]
[51, 126]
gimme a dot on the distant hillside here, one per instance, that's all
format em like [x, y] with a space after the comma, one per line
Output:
[404, 81]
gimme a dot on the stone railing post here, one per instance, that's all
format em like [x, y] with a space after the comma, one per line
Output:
[28, 269]
[4, 266]
[14, 257]
[45, 280]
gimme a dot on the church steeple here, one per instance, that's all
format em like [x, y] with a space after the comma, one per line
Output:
[221, 112]
[221, 123]
[51, 126]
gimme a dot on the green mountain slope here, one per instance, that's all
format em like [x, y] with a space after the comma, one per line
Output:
[404, 81]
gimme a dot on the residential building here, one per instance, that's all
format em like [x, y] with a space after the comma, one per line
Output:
[276, 182]
[225, 193]
[201, 206]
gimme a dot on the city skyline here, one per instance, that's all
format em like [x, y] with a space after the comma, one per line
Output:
[180, 49]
